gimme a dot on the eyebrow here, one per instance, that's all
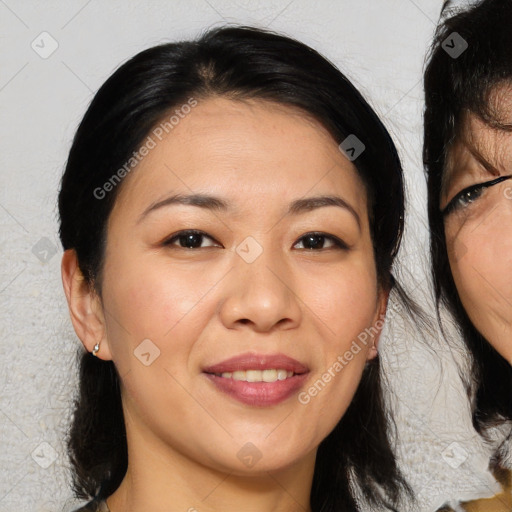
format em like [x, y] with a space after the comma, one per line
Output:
[312, 203]
[448, 176]
[217, 204]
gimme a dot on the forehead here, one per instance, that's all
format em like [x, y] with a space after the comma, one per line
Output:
[252, 147]
[481, 147]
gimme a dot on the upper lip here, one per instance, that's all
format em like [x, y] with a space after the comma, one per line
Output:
[250, 361]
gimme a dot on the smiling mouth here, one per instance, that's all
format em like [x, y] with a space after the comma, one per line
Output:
[258, 380]
[270, 375]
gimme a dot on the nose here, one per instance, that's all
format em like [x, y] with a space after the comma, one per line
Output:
[260, 296]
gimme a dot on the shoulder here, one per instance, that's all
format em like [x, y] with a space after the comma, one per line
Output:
[501, 502]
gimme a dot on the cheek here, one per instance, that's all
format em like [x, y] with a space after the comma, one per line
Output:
[343, 309]
[144, 300]
[156, 313]
[481, 262]
[344, 317]
[344, 298]
[480, 255]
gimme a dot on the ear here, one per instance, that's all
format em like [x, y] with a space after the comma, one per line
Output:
[378, 323]
[84, 305]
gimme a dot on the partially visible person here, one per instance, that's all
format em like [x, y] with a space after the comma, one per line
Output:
[468, 160]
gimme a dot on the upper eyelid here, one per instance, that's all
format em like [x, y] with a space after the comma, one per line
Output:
[189, 231]
[485, 184]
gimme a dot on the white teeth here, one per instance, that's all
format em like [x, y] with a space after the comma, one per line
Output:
[258, 375]
[269, 375]
[253, 376]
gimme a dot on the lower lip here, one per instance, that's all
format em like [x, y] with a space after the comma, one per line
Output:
[259, 394]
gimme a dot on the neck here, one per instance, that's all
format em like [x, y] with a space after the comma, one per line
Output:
[160, 478]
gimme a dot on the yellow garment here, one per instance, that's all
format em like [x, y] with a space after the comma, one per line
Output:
[501, 502]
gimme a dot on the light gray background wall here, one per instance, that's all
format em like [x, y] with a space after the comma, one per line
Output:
[380, 44]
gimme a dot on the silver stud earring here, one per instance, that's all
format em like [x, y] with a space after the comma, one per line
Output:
[95, 349]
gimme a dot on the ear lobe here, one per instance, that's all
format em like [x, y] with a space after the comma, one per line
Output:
[378, 323]
[84, 306]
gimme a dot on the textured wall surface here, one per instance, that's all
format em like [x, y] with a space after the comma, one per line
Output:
[54, 56]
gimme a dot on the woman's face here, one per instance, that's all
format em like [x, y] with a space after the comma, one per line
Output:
[478, 227]
[239, 271]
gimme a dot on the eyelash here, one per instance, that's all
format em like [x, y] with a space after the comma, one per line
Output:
[339, 244]
[457, 202]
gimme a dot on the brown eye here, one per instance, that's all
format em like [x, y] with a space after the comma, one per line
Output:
[312, 241]
[190, 239]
